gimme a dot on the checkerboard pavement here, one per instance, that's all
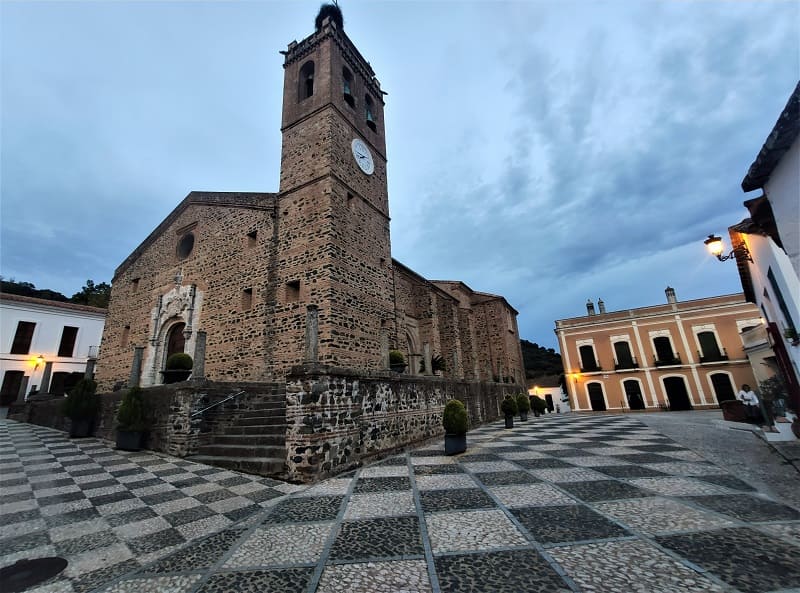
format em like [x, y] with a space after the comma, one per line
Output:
[109, 512]
[560, 503]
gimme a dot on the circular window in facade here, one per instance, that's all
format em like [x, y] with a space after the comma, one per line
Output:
[185, 246]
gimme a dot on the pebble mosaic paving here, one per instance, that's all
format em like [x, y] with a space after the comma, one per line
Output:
[557, 504]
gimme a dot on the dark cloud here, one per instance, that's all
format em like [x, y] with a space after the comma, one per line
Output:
[602, 177]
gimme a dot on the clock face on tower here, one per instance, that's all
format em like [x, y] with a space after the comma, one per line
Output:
[363, 156]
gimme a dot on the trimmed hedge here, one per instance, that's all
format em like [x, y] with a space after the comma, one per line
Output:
[509, 406]
[454, 418]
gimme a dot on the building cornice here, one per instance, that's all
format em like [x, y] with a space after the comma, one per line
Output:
[682, 308]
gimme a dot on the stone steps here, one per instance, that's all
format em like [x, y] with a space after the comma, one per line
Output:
[261, 418]
[262, 466]
[258, 429]
[215, 449]
[267, 437]
[252, 438]
[271, 404]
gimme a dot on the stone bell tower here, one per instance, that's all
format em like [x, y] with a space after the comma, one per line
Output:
[333, 247]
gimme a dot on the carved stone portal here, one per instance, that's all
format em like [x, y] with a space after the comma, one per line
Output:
[181, 305]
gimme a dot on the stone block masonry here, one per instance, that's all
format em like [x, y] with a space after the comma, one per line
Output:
[173, 429]
[336, 419]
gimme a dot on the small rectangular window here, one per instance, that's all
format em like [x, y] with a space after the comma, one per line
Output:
[292, 291]
[251, 239]
[135, 284]
[125, 337]
[247, 299]
[67, 345]
[23, 338]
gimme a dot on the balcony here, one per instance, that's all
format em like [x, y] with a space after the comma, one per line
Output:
[591, 368]
[754, 337]
[665, 361]
[712, 356]
[626, 364]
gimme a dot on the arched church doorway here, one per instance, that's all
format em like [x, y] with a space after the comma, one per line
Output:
[677, 394]
[596, 398]
[176, 341]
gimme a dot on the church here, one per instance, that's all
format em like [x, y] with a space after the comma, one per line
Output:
[235, 279]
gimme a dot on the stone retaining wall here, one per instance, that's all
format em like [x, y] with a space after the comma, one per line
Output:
[172, 428]
[337, 419]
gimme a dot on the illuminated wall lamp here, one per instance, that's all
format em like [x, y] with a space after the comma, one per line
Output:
[716, 247]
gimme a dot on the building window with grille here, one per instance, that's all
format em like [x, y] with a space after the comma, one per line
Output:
[709, 347]
[588, 359]
[665, 355]
[623, 356]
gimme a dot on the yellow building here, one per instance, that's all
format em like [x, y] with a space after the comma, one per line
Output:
[680, 355]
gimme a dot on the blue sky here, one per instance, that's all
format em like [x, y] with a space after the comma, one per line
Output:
[547, 151]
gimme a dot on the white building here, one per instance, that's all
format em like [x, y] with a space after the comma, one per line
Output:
[550, 390]
[45, 346]
[771, 275]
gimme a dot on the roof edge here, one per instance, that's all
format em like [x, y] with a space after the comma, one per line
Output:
[253, 200]
[4, 296]
[784, 133]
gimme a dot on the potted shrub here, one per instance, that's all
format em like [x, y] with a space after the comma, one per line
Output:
[178, 367]
[538, 405]
[509, 407]
[523, 405]
[131, 421]
[397, 362]
[454, 420]
[81, 406]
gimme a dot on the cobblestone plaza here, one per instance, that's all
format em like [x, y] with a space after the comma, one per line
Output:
[561, 503]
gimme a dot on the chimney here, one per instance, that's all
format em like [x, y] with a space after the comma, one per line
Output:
[602, 306]
[589, 307]
[670, 292]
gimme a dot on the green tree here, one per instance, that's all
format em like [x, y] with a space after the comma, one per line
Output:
[94, 295]
[540, 361]
[11, 286]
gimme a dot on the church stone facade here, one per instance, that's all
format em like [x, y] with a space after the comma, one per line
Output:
[236, 278]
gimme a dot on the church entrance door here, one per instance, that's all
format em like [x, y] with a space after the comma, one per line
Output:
[176, 342]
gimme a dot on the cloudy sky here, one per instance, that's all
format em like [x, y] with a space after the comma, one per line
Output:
[549, 151]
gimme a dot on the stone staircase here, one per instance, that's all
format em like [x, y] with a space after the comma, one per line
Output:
[252, 441]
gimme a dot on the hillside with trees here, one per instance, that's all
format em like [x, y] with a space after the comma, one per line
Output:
[540, 361]
[95, 295]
